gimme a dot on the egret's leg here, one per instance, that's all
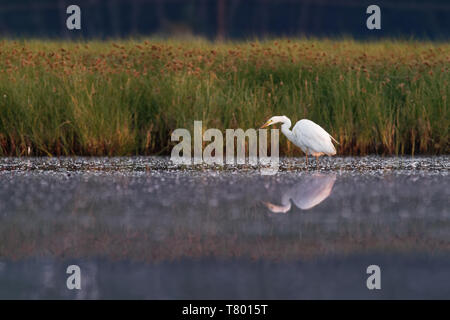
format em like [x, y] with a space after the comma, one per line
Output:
[317, 161]
[306, 159]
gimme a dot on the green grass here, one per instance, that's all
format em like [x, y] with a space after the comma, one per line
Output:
[126, 97]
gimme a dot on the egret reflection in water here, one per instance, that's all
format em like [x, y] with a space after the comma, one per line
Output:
[306, 194]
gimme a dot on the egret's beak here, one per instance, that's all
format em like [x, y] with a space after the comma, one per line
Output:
[268, 123]
[267, 204]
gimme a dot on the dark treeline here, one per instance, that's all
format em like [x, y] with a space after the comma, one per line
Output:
[233, 19]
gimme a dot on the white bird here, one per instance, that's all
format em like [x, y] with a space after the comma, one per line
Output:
[306, 194]
[307, 135]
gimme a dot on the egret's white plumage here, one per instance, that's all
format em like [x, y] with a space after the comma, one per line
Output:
[307, 135]
[306, 194]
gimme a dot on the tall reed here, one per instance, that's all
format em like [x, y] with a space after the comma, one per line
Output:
[126, 97]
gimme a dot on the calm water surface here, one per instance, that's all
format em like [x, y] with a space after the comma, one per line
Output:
[144, 228]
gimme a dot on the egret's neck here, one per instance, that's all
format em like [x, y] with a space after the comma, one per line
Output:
[286, 200]
[285, 207]
[285, 129]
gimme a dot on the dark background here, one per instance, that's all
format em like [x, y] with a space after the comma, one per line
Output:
[227, 19]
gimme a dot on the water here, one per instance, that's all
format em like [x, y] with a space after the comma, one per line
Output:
[145, 228]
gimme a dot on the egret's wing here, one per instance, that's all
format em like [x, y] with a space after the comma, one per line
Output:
[314, 137]
[312, 190]
[334, 139]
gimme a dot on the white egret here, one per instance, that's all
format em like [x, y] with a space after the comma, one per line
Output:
[306, 194]
[307, 135]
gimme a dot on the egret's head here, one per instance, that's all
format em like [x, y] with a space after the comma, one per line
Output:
[277, 209]
[275, 119]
